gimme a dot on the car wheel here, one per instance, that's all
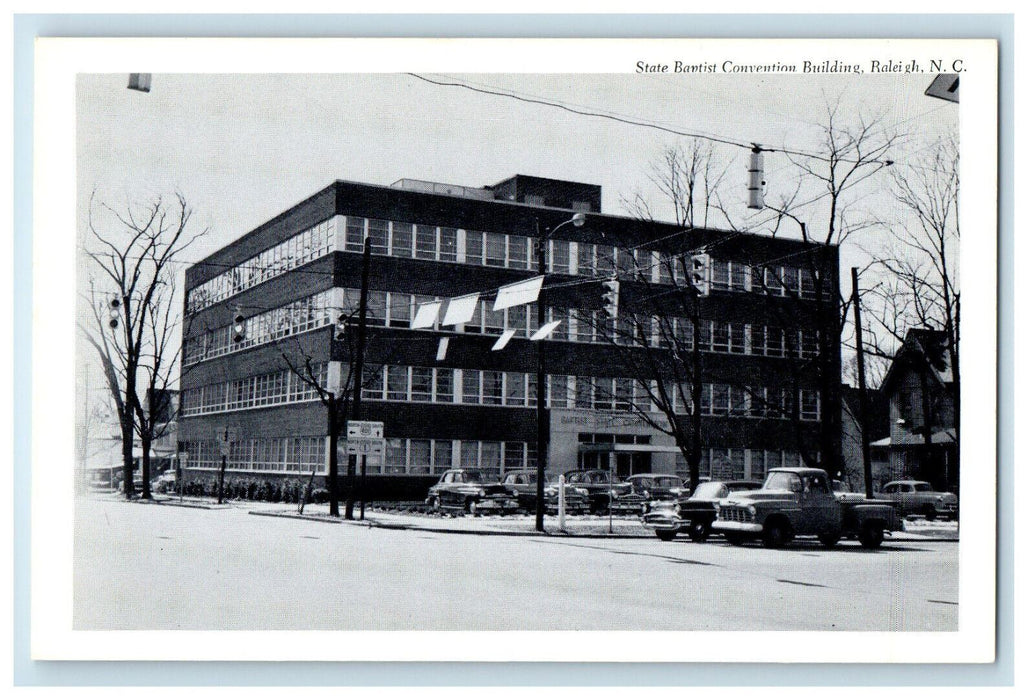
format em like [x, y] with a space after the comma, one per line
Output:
[734, 538]
[871, 535]
[699, 532]
[929, 512]
[775, 534]
[665, 535]
[435, 504]
[830, 540]
[600, 507]
[470, 507]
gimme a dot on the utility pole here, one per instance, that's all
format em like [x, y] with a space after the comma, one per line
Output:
[864, 411]
[542, 427]
[357, 372]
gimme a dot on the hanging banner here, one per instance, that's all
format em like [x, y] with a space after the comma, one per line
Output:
[517, 294]
[504, 339]
[443, 345]
[545, 331]
[460, 310]
[426, 315]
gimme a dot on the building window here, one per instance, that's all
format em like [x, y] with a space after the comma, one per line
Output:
[426, 242]
[377, 231]
[421, 383]
[495, 250]
[444, 385]
[443, 455]
[517, 252]
[447, 244]
[355, 232]
[397, 381]
[559, 256]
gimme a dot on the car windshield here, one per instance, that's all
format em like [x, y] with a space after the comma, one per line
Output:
[782, 481]
[472, 477]
[668, 482]
[921, 486]
[711, 490]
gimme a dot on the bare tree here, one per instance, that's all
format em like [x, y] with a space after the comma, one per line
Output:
[134, 252]
[918, 270]
[689, 178]
[823, 207]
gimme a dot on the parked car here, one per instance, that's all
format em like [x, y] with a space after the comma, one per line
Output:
[521, 484]
[641, 489]
[799, 502]
[165, 482]
[843, 492]
[470, 491]
[599, 484]
[692, 514]
[919, 498]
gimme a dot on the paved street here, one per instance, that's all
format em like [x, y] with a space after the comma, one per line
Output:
[142, 566]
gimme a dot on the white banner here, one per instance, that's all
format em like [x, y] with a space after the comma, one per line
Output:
[426, 315]
[504, 339]
[460, 310]
[545, 330]
[518, 293]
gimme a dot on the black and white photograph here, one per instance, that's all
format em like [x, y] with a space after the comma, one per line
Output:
[663, 339]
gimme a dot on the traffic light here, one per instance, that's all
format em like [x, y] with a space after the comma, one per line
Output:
[700, 265]
[115, 307]
[610, 298]
[755, 180]
[340, 326]
[240, 330]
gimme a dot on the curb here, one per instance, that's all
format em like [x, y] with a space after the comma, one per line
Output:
[368, 523]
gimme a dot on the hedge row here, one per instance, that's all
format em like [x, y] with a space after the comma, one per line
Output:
[254, 490]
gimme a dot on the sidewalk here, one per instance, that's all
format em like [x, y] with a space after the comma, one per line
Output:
[624, 527]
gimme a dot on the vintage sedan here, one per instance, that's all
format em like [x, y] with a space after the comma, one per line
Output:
[693, 514]
[599, 484]
[641, 489]
[919, 498]
[521, 484]
[470, 491]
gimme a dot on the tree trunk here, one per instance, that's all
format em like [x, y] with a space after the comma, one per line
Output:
[145, 465]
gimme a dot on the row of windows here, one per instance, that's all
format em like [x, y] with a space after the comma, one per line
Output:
[737, 463]
[495, 388]
[758, 402]
[447, 244]
[297, 317]
[270, 389]
[303, 455]
[290, 455]
[396, 310]
[426, 456]
[296, 251]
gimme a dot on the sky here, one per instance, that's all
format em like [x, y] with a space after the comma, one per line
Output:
[243, 148]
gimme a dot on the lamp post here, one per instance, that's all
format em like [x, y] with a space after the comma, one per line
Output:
[543, 428]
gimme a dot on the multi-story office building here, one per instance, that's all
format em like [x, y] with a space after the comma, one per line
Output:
[763, 328]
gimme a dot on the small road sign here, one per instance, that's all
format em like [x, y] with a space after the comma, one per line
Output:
[371, 447]
[364, 429]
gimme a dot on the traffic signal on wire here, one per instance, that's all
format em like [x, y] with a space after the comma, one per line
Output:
[610, 298]
[756, 181]
[700, 264]
[340, 326]
[115, 307]
[240, 329]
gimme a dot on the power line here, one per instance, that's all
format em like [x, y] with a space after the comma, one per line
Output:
[623, 120]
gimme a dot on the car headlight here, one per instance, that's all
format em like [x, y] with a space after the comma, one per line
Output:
[751, 511]
[481, 493]
[581, 492]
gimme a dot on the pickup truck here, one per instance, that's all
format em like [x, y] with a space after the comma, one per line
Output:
[800, 502]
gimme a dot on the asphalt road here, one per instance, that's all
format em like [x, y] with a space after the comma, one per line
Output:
[140, 566]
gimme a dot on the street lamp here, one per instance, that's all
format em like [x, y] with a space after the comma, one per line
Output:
[543, 429]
